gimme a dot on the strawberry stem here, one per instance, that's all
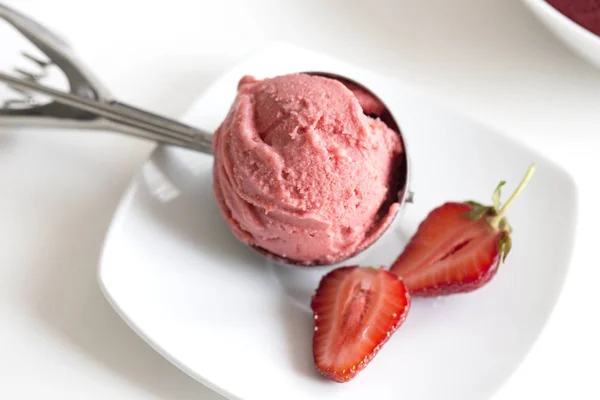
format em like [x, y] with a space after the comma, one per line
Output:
[495, 222]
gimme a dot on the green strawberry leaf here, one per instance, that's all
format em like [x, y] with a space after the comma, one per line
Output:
[474, 204]
[478, 210]
[505, 226]
[497, 194]
[505, 246]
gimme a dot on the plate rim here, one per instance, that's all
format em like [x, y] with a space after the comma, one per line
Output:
[116, 222]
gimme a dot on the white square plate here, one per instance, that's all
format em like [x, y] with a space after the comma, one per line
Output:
[241, 325]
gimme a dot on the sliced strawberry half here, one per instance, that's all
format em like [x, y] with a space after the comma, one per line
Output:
[458, 247]
[356, 310]
[450, 253]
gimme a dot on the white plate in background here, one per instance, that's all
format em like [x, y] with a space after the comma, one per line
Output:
[242, 326]
[578, 38]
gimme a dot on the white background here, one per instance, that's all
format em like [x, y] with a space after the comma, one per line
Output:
[487, 58]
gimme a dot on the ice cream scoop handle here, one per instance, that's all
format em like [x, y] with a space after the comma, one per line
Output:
[118, 116]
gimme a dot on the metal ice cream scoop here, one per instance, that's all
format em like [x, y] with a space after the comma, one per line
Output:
[88, 105]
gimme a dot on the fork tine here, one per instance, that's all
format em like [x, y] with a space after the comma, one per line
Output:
[40, 63]
[26, 102]
[30, 75]
[19, 90]
[28, 97]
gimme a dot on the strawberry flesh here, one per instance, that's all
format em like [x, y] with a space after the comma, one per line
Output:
[356, 310]
[450, 253]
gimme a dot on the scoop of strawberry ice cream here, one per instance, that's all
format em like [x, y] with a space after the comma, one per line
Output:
[302, 173]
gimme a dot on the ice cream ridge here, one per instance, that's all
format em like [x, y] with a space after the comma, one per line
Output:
[302, 173]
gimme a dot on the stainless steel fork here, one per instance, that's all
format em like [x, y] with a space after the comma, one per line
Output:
[88, 104]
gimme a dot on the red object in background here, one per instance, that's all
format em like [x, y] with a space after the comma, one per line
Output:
[584, 12]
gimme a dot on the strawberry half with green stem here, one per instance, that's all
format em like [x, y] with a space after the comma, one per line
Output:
[458, 247]
[356, 310]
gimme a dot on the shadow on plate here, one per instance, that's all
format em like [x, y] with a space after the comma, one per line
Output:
[177, 184]
[298, 330]
[177, 181]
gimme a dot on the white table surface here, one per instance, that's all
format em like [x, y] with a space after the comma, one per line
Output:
[58, 189]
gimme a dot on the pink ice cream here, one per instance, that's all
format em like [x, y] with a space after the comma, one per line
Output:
[301, 173]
